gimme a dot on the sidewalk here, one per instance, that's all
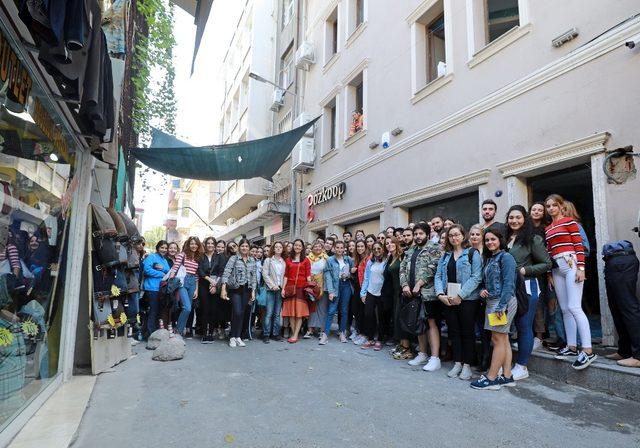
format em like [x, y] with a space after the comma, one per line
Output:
[56, 423]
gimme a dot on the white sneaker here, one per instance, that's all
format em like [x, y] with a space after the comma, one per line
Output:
[466, 373]
[519, 372]
[360, 340]
[323, 339]
[353, 335]
[537, 344]
[514, 346]
[240, 342]
[433, 365]
[421, 358]
[232, 343]
[455, 371]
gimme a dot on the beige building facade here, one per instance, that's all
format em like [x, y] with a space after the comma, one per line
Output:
[467, 100]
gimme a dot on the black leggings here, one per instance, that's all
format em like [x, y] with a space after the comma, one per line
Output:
[372, 309]
[356, 312]
[206, 310]
[461, 322]
[239, 301]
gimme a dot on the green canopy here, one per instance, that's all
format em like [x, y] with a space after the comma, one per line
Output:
[244, 160]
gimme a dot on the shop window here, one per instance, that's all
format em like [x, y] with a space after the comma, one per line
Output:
[463, 209]
[331, 35]
[500, 17]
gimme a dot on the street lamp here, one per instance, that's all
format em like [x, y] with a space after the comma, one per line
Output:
[197, 215]
[271, 83]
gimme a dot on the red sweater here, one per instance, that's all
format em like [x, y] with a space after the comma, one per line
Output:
[303, 271]
[564, 236]
[190, 265]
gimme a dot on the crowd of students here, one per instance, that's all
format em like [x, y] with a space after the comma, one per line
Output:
[401, 288]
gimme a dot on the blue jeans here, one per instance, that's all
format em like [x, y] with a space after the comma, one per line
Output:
[341, 301]
[524, 324]
[134, 306]
[271, 324]
[186, 293]
[153, 297]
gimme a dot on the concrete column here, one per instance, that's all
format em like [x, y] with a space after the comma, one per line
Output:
[400, 217]
[601, 215]
[483, 193]
[517, 192]
[76, 252]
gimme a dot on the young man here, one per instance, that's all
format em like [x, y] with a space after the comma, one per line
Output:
[346, 237]
[437, 224]
[489, 210]
[328, 245]
[407, 238]
[337, 273]
[417, 273]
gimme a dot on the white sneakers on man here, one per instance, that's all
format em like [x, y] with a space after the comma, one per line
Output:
[232, 343]
[240, 342]
[420, 358]
[432, 365]
[519, 372]
[466, 373]
[455, 371]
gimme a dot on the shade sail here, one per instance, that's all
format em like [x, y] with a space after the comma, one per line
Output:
[244, 160]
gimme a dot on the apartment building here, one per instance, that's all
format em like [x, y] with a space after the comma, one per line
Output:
[256, 106]
[431, 106]
[188, 209]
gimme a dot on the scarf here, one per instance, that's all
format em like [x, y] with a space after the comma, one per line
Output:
[318, 278]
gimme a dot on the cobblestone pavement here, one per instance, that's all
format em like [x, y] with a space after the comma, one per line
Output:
[338, 395]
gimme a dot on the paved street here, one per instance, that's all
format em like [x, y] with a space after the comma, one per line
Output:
[279, 395]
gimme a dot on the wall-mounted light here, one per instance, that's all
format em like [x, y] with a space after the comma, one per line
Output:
[53, 157]
[565, 37]
[373, 145]
[397, 131]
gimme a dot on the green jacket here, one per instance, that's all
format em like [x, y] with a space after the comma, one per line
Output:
[534, 257]
[426, 266]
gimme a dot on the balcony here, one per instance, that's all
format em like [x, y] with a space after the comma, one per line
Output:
[238, 199]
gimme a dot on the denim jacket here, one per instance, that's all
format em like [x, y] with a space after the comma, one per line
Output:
[367, 276]
[500, 278]
[332, 273]
[469, 275]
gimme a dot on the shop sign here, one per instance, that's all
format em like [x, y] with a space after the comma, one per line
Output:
[51, 130]
[326, 194]
[12, 73]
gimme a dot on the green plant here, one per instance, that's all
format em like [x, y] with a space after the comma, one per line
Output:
[153, 72]
[151, 237]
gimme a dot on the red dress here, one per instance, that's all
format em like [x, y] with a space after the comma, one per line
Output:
[297, 273]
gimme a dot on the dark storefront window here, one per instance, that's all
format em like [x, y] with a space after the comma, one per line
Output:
[464, 209]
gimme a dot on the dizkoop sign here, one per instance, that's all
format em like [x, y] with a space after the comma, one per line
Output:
[327, 193]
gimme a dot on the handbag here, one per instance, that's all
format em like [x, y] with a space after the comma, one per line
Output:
[290, 291]
[312, 291]
[413, 318]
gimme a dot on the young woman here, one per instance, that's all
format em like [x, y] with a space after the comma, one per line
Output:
[564, 243]
[371, 295]
[155, 267]
[539, 218]
[208, 287]
[297, 273]
[172, 252]
[380, 238]
[189, 258]
[443, 239]
[457, 286]
[499, 278]
[370, 239]
[232, 249]
[240, 278]
[359, 235]
[532, 262]
[337, 274]
[318, 317]
[222, 308]
[351, 248]
[569, 210]
[393, 293]
[476, 237]
[448, 223]
[357, 277]
[273, 275]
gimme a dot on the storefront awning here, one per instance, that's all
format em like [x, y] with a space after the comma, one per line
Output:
[244, 160]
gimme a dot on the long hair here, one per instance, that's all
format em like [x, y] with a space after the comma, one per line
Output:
[360, 258]
[448, 247]
[569, 210]
[206, 240]
[191, 255]
[558, 200]
[545, 217]
[244, 241]
[384, 252]
[486, 253]
[525, 234]
[303, 252]
[397, 254]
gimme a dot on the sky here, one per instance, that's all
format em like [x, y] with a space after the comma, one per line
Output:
[198, 97]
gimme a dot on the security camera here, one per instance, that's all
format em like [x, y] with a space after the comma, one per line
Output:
[632, 43]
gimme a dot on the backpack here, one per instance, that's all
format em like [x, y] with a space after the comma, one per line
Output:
[104, 234]
[121, 230]
[621, 247]
[413, 317]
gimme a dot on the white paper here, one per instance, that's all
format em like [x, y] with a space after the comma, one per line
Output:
[453, 289]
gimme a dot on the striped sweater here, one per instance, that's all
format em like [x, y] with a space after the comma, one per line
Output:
[190, 265]
[564, 236]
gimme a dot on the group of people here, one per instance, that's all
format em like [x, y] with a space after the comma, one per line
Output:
[399, 288]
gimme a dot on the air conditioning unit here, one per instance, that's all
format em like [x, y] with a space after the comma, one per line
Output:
[303, 155]
[305, 56]
[278, 100]
[303, 119]
[231, 221]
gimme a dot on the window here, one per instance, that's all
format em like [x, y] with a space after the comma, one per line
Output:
[287, 11]
[500, 17]
[330, 125]
[331, 35]
[359, 12]
[185, 211]
[435, 41]
[285, 124]
[355, 15]
[356, 104]
[286, 68]
[333, 126]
